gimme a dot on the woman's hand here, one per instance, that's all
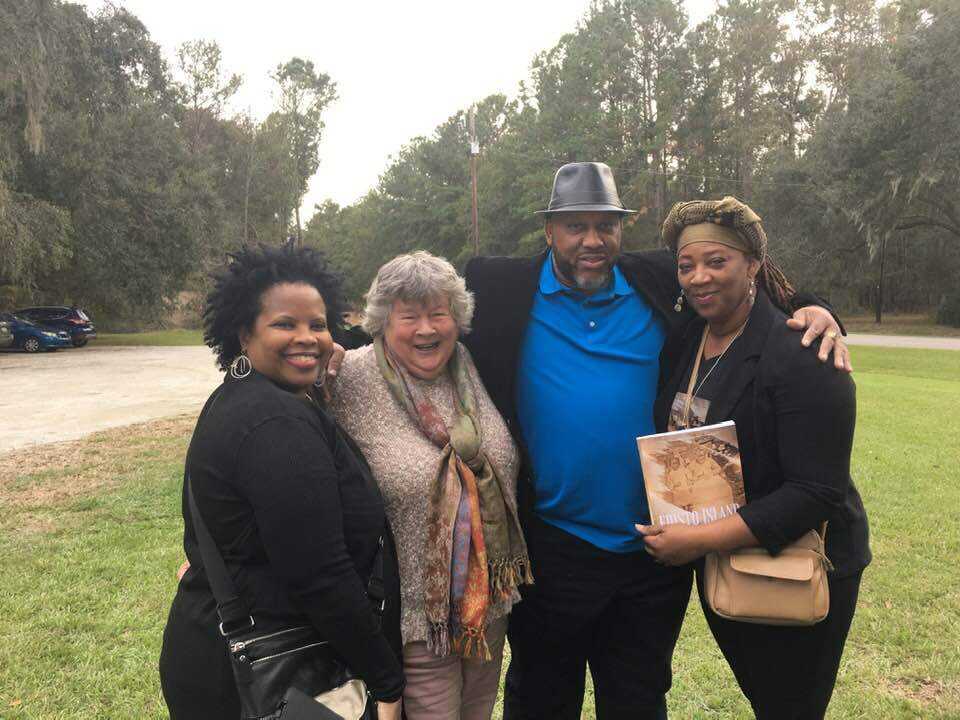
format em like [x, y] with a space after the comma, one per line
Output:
[388, 711]
[183, 570]
[336, 360]
[672, 544]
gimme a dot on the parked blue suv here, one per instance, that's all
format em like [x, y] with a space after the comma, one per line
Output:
[74, 321]
[33, 338]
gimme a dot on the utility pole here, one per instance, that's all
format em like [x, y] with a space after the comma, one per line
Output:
[474, 151]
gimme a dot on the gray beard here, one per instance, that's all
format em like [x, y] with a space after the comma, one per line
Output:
[568, 276]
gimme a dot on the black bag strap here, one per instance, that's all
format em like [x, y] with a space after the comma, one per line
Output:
[376, 589]
[234, 612]
[235, 615]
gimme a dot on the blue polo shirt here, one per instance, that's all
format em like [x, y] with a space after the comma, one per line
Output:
[585, 389]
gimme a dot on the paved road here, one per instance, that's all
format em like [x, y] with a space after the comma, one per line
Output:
[905, 341]
[48, 397]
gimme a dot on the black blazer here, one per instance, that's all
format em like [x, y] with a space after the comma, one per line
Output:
[795, 420]
[504, 289]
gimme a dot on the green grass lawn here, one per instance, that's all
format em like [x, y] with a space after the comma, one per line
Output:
[153, 337]
[90, 540]
[898, 325]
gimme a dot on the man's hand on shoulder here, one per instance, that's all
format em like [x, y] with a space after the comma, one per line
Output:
[816, 322]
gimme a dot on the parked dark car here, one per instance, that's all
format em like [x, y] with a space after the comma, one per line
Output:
[32, 337]
[6, 333]
[73, 320]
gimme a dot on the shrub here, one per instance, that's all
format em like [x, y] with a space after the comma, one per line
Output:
[948, 312]
[12, 297]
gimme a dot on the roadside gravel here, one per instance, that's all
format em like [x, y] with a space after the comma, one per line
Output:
[51, 397]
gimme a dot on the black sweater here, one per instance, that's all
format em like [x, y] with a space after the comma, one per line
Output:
[297, 516]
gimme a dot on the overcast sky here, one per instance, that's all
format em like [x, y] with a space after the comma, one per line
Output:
[401, 68]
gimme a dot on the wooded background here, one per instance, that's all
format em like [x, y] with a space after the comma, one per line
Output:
[123, 178]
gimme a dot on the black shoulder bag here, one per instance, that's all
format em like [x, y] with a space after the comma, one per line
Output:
[290, 674]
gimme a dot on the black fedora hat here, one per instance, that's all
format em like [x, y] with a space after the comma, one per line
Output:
[585, 187]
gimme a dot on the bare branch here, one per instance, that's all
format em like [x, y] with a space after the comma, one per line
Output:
[914, 221]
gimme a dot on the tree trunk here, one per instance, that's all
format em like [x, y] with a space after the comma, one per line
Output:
[746, 175]
[246, 191]
[883, 252]
[658, 183]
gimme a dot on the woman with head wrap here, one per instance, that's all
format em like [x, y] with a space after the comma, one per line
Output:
[795, 421]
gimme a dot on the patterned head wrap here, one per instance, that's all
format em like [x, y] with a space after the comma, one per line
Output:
[737, 226]
[729, 213]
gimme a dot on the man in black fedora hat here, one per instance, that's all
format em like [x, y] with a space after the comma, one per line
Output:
[570, 345]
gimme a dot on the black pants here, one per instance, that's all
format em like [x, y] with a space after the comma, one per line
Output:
[621, 613]
[788, 673]
[195, 672]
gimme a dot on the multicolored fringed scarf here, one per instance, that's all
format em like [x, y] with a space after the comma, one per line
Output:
[475, 552]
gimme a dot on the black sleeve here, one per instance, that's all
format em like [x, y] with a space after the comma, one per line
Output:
[470, 273]
[287, 472]
[486, 341]
[814, 414]
[477, 276]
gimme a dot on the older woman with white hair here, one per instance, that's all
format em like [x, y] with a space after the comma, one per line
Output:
[447, 468]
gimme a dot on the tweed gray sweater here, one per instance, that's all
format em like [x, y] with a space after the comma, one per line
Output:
[405, 462]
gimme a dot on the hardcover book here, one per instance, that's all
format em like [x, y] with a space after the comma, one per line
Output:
[692, 476]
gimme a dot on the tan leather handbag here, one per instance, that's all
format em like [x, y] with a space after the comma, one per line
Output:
[750, 585]
[349, 701]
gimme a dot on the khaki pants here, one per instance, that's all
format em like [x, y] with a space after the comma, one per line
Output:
[451, 688]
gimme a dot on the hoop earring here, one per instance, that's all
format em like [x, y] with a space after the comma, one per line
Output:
[240, 367]
[679, 306]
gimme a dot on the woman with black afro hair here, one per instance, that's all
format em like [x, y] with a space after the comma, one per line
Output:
[284, 492]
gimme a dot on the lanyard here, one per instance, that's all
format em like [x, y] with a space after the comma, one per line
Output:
[696, 369]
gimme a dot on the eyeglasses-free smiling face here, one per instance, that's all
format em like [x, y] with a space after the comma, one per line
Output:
[290, 342]
[585, 247]
[422, 336]
[716, 280]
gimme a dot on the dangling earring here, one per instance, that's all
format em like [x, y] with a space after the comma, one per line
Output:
[752, 292]
[240, 367]
[679, 306]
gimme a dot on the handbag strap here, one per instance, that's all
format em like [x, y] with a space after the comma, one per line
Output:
[234, 613]
[376, 589]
